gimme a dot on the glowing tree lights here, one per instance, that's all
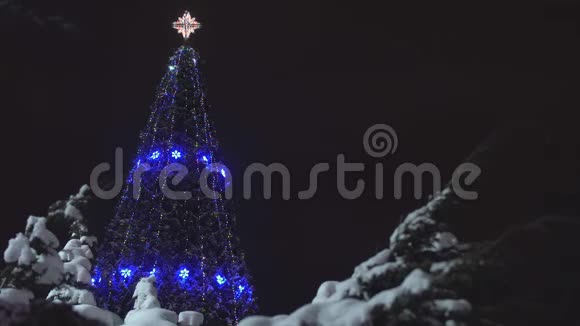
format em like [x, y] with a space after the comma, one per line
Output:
[220, 279]
[188, 245]
[126, 273]
[184, 273]
[176, 154]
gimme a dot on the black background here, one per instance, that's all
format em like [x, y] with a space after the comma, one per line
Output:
[296, 82]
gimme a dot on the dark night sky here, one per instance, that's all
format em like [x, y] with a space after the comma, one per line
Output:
[296, 82]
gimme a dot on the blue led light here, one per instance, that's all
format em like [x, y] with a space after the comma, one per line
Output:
[153, 272]
[240, 290]
[184, 273]
[176, 154]
[223, 173]
[155, 155]
[96, 279]
[171, 68]
[203, 156]
[220, 279]
[125, 272]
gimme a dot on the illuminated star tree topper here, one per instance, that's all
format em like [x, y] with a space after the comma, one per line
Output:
[186, 25]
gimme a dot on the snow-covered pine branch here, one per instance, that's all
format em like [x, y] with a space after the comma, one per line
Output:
[77, 254]
[77, 281]
[400, 284]
[147, 310]
[32, 258]
[32, 265]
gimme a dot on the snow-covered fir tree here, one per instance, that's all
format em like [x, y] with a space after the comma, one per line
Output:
[77, 254]
[32, 259]
[416, 281]
[68, 218]
[32, 267]
[76, 289]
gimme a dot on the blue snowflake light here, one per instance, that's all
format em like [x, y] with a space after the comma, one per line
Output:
[153, 272]
[220, 279]
[125, 272]
[176, 154]
[184, 273]
[204, 159]
[155, 155]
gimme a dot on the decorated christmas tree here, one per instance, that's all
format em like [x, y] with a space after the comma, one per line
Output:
[186, 242]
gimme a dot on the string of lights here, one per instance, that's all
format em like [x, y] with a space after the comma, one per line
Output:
[188, 245]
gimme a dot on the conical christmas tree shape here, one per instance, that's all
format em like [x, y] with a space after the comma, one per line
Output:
[188, 244]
